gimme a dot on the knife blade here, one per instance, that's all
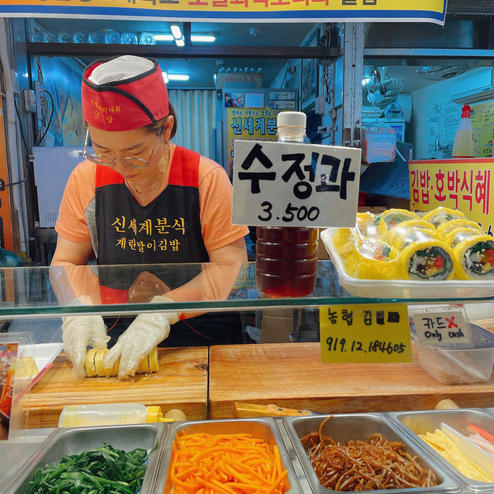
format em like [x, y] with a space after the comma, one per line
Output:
[481, 458]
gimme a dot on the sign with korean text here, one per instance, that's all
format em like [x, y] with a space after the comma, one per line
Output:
[367, 333]
[483, 128]
[463, 184]
[290, 184]
[238, 10]
[249, 123]
[437, 327]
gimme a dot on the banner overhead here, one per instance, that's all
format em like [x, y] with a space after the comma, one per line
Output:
[236, 10]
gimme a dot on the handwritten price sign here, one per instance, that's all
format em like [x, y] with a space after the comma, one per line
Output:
[369, 333]
[288, 184]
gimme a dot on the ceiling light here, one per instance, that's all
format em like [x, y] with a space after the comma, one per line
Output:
[177, 33]
[203, 38]
[165, 76]
[180, 42]
[178, 77]
[164, 37]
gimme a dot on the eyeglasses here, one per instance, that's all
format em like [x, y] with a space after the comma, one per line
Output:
[130, 161]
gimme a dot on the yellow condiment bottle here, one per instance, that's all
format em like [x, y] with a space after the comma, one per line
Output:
[114, 414]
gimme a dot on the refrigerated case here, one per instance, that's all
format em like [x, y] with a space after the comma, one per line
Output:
[206, 382]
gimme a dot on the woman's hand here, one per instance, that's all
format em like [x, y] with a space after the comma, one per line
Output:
[79, 332]
[145, 332]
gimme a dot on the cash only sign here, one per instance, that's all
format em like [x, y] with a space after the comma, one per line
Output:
[236, 10]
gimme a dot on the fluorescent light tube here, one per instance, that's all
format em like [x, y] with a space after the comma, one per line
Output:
[177, 33]
[202, 38]
[165, 77]
[178, 77]
[164, 37]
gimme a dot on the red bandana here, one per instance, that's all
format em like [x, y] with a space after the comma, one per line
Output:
[124, 105]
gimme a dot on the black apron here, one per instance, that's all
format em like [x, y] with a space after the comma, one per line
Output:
[168, 230]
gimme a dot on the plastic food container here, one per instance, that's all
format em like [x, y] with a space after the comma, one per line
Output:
[343, 427]
[459, 364]
[404, 289]
[63, 442]
[262, 428]
[420, 422]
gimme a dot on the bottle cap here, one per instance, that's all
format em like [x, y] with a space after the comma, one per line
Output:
[154, 414]
[465, 111]
[291, 119]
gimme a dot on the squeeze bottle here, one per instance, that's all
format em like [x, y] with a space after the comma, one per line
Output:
[286, 257]
[463, 145]
[114, 413]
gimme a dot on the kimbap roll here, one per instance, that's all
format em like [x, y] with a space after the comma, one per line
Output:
[393, 217]
[473, 253]
[442, 215]
[371, 225]
[424, 257]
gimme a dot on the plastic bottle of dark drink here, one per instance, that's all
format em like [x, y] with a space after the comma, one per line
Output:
[286, 257]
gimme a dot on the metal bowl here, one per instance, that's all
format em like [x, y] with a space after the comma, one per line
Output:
[420, 422]
[262, 428]
[343, 427]
[71, 441]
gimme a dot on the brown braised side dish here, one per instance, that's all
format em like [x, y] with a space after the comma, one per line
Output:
[375, 463]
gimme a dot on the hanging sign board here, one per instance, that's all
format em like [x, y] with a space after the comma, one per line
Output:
[237, 10]
[288, 184]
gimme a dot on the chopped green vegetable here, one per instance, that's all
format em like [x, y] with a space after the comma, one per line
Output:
[104, 470]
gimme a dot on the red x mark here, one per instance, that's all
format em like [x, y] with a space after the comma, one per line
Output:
[451, 322]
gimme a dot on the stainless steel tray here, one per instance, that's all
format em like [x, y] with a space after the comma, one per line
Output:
[262, 428]
[62, 442]
[420, 422]
[343, 427]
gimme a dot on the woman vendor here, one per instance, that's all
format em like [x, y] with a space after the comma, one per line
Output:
[139, 199]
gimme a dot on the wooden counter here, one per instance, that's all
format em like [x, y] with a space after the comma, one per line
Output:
[180, 383]
[291, 375]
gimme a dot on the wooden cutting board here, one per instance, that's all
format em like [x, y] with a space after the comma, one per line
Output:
[181, 382]
[291, 375]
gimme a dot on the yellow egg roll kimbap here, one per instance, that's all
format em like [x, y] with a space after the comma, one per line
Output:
[344, 240]
[474, 254]
[424, 257]
[371, 225]
[393, 217]
[445, 228]
[398, 235]
[372, 259]
[442, 215]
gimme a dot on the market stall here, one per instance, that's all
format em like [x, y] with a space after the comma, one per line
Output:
[354, 411]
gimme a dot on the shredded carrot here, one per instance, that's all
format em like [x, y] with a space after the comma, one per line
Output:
[226, 464]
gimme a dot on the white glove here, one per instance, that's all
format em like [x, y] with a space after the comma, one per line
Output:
[145, 332]
[79, 332]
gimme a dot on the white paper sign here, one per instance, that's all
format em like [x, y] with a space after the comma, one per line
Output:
[442, 327]
[291, 184]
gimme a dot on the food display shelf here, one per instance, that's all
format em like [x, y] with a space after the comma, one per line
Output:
[285, 433]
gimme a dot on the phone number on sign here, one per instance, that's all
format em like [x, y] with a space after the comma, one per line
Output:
[290, 213]
[343, 345]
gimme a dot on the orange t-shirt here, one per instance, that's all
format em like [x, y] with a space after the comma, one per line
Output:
[215, 200]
